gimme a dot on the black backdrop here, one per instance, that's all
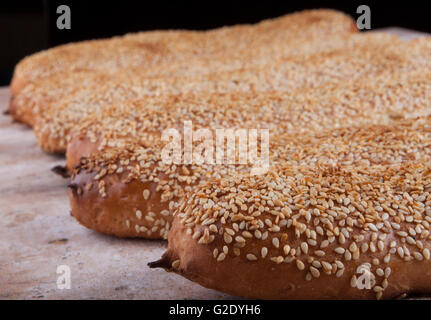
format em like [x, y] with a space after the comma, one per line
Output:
[29, 26]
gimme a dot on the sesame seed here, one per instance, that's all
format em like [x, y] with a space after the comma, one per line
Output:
[426, 254]
[319, 253]
[418, 256]
[196, 235]
[227, 238]
[277, 260]
[264, 252]
[176, 264]
[221, 257]
[251, 257]
[275, 242]
[139, 214]
[315, 272]
[300, 265]
[146, 194]
[304, 247]
[339, 250]
[387, 272]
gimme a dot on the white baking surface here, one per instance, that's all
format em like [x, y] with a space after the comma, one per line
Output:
[37, 234]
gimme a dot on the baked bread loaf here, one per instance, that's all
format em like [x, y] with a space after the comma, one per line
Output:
[154, 53]
[301, 111]
[375, 55]
[318, 229]
[346, 196]
[117, 154]
[35, 98]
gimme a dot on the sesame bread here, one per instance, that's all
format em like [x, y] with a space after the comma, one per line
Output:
[35, 98]
[154, 51]
[347, 193]
[302, 111]
[316, 229]
[374, 56]
[121, 158]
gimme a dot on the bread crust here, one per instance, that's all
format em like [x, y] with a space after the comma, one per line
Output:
[17, 84]
[168, 184]
[106, 194]
[237, 256]
[280, 112]
[121, 210]
[80, 147]
[120, 186]
[54, 126]
[171, 53]
[265, 279]
[48, 93]
[150, 48]
[98, 135]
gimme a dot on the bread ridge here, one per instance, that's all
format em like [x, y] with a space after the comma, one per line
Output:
[138, 169]
[33, 99]
[280, 112]
[295, 254]
[149, 48]
[53, 128]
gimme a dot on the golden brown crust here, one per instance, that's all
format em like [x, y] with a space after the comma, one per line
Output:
[78, 148]
[265, 279]
[254, 237]
[335, 200]
[107, 193]
[150, 48]
[13, 110]
[169, 53]
[384, 144]
[17, 84]
[121, 210]
[126, 122]
[280, 112]
[27, 105]
[55, 124]
[291, 232]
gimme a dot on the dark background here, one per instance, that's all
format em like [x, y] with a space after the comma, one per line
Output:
[30, 26]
